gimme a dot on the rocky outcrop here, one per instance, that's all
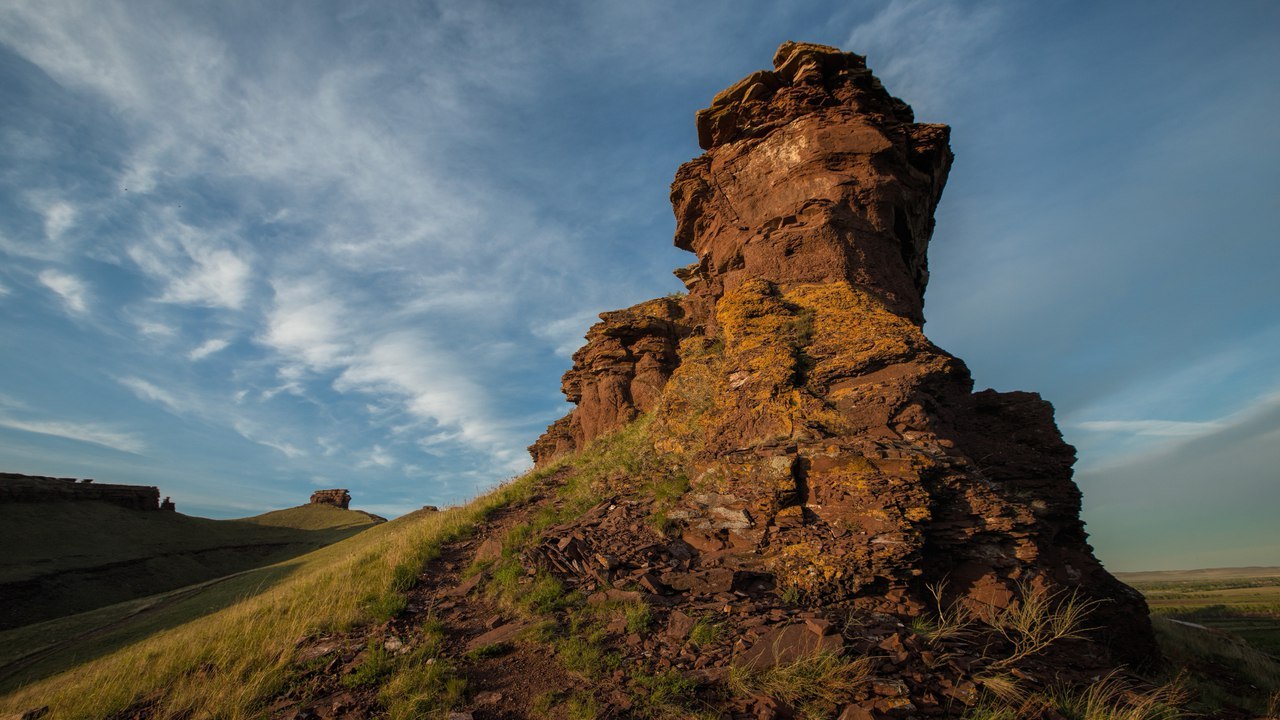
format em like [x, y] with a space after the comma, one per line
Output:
[834, 453]
[338, 498]
[617, 375]
[18, 488]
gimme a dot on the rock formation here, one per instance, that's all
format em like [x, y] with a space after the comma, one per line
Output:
[833, 451]
[337, 498]
[18, 488]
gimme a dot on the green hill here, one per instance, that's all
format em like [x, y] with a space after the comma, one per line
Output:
[66, 558]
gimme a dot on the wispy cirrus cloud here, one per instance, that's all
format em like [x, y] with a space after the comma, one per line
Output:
[70, 289]
[357, 350]
[916, 47]
[93, 433]
[207, 348]
[196, 266]
[152, 393]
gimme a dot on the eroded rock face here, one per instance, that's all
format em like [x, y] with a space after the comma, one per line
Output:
[338, 498]
[19, 488]
[617, 375]
[831, 447]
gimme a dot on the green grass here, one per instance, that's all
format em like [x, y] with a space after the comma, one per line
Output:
[1218, 669]
[705, 632]
[248, 645]
[66, 558]
[814, 684]
[33, 652]
[1241, 601]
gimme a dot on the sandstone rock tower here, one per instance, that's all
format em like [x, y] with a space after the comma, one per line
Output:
[338, 498]
[830, 446]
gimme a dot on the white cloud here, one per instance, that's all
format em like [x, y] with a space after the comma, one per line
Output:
[155, 329]
[82, 432]
[207, 348]
[921, 48]
[197, 266]
[1141, 440]
[69, 288]
[58, 218]
[308, 324]
[568, 333]
[288, 450]
[427, 379]
[378, 456]
[1153, 428]
[253, 433]
[153, 393]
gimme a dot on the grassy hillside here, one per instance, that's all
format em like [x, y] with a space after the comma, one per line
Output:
[223, 664]
[315, 517]
[64, 558]
[250, 646]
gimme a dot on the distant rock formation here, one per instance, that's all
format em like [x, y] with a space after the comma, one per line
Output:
[831, 447]
[337, 498]
[18, 488]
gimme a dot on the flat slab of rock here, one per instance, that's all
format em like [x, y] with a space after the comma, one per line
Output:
[498, 636]
[787, 644]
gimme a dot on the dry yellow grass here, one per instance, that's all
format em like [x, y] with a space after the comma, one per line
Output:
[226, 664]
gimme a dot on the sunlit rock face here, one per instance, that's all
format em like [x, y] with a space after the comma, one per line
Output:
[339, 498]
[830, 445]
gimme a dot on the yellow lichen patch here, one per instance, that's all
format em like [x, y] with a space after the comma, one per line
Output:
[761, 337]
[808, 567]
[853, 331]
[916, 514]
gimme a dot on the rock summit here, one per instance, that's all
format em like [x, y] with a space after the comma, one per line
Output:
[833, 452]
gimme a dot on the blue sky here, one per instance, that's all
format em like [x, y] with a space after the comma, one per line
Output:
[248, 250]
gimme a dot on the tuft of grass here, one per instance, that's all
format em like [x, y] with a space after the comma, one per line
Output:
[639, 617]
[823, 678]
[487, 651]
[705, 632]
[541, 707]
[665, 695]
[376, 665]
[587, 656]
[1037, 620]
[1108, 698]
[582, 706]
[422, 687]
[949, 622]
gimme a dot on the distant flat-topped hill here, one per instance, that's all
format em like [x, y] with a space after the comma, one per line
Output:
[64, 557]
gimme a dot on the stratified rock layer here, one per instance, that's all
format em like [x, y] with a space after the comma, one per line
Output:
[18, 488]
[338, 498]
[832, 448]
